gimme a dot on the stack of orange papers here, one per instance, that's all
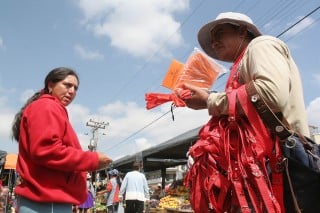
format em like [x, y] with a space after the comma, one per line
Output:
[199, 70]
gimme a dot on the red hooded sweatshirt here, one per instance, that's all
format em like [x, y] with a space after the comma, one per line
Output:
[51, 162]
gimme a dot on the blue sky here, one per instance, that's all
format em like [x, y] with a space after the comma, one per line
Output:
[122, 50]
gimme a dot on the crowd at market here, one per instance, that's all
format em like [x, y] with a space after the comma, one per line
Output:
[107, 189]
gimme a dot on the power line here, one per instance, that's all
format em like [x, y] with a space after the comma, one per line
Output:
[298, 33]
[135, 133]
[286, 30]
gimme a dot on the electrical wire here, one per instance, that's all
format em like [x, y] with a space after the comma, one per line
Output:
[140, 130]
[303, 18]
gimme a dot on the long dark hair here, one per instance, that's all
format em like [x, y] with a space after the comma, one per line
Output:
[119, 181]
[56, 75]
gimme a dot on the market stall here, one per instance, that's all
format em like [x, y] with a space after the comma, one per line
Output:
[176, 200]
[9, 177]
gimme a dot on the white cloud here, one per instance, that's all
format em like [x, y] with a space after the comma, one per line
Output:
[7, 114]
[78, 114]
[6, 118]
[304, 24]
[271, 25]
[275, 25]
[3, 101]
[313, 112]
[5, 124]
[87, 54]
[142, 144]
[317, 77]
[26, 95]
[1, 43]
[138, 27]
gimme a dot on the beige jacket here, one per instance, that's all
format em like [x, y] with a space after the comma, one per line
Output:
[268, 62]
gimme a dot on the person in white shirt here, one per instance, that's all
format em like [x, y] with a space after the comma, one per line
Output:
[134, 190]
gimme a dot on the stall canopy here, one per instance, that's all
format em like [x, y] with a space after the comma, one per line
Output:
[168, 154]
[11, 161]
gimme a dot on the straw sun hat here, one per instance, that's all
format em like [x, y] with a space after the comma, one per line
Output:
[204, 34]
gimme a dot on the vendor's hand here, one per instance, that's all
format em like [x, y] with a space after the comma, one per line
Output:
[120, 199]
[199, 97]
[104, 160]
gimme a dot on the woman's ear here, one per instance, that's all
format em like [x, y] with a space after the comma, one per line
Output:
[243, 32]
[50, 87]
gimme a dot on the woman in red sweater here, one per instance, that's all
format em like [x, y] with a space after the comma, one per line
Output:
[51, 162]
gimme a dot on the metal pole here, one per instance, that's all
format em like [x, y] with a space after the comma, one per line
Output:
[96, 125]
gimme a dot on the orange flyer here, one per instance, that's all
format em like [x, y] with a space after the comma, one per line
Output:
[199, 70]
[173, 74]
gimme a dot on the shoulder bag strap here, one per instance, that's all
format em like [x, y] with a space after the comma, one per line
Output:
[268, 116]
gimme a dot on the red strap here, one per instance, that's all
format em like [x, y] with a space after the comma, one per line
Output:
[258, 125]
[234, 74]
[156, 99]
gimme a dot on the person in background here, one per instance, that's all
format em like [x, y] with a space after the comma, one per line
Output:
[1, 196]
[111, 193]
[157, 193]
[89, 203]
[134, 190]
[261, 61]
[51, 162]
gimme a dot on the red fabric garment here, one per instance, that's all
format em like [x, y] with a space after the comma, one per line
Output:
[156, 99]
[116, 193]
[51, 163]
[229, 173]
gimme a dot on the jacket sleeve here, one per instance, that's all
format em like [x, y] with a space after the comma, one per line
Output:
[268, 65]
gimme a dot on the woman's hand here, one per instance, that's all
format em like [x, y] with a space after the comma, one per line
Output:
[104, 160]
[199, 97]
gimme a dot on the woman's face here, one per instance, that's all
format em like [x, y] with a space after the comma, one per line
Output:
[225, 42]
[64, 90]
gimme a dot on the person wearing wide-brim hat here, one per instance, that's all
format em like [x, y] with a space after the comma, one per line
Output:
[207, 34]
[261, 61]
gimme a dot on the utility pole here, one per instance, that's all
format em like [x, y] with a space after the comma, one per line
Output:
[95, 126]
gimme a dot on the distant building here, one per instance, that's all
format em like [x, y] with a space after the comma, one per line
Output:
[172, 174]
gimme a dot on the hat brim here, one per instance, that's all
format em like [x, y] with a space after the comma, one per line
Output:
[204, 34]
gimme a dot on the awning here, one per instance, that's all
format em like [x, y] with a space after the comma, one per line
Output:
[11, 161]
